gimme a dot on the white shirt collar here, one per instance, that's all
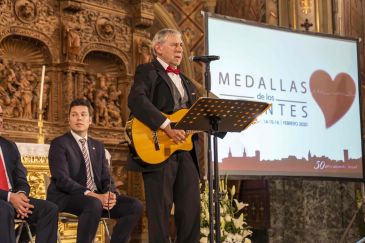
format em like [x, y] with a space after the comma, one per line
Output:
[163, 63]
[77, 137]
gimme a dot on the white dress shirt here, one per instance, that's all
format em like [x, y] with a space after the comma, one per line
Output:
[77, 138]
[176, 80]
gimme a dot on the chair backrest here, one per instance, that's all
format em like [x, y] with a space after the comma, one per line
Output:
[108, 157]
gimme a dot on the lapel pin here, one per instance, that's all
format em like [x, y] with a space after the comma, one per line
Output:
[93, 148]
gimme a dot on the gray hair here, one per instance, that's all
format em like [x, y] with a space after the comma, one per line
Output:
[160, 37]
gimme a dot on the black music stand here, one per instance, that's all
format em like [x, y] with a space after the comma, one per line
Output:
[215, 116]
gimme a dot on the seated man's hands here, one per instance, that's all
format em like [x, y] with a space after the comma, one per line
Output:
[108, 199]
[20, 202]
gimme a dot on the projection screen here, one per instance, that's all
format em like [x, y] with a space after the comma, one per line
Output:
[314, 125]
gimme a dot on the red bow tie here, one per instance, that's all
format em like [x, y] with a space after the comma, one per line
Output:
[170, 69]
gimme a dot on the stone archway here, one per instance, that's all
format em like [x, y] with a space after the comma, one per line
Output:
[23, 49]
[99, 61]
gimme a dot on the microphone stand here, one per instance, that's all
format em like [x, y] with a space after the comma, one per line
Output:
[207, 78]
[108, 158]
[214, 128]
[205, 115]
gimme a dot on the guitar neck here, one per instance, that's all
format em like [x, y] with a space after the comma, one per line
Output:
[188, 132]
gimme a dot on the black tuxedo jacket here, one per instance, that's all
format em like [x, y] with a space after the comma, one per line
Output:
[68, 170]
[150, 95]
[14, 168]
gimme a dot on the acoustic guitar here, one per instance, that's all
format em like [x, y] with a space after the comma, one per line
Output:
[154, 147]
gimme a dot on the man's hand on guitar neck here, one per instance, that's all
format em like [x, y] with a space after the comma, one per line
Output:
[178, 136]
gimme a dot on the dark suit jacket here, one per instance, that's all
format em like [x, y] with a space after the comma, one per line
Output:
[68, 170]
[150, 95]
[14, 168]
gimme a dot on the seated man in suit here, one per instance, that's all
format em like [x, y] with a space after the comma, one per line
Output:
[81, 183]
[15, 201]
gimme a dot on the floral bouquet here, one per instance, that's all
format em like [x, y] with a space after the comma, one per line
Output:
[233, 226]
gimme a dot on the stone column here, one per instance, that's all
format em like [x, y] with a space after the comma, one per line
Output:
[68, 91]
[80, 84]
[272, 15]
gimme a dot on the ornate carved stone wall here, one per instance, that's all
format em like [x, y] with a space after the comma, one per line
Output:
[90, 51]
[87, 49]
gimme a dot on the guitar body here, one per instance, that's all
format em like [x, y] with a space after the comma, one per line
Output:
[143, 140]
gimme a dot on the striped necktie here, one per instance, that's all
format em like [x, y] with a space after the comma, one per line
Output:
[3, 181]
[90, 184]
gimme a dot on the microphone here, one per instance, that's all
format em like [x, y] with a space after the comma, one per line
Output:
[204, 59]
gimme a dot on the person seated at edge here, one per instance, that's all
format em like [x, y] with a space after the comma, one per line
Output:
[160, 87]
[41, 215]
[81, 183]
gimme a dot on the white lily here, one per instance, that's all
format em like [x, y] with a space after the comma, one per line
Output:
[228, 218]
[247, 240]
[246, 233]
[240, 205]
[204, 231]
[204, 240]
[238, 223]
[233, 190]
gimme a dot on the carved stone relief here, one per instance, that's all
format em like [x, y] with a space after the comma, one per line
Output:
[249, 9]
[96, 27]
[38, 16]
[143, 13]
[105, 28]
[143, 50]
[106, 102]
[103, 89]
[25, 10]
[71, 40]
[19, 90]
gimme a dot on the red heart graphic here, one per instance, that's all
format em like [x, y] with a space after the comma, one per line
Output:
[334, 97]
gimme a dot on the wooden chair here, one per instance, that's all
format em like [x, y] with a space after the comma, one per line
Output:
[71, 218]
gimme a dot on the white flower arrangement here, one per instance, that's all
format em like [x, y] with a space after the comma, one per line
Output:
[234, 229]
